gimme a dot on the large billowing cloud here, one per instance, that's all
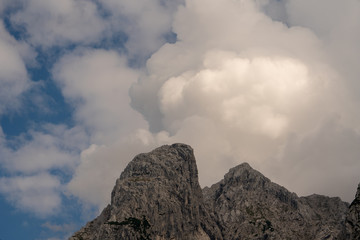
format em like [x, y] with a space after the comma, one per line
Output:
[237, 85]
[337, 25]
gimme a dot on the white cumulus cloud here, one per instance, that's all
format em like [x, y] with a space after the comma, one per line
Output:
[14, 80]
[52, 22]
[237, 84]
[146, 23]
[55, 147]
[38, 194]
[97, 82]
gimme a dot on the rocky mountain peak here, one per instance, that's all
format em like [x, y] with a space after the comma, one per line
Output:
[247, 205]
[244, 175]
[176, 160]
[158, 196]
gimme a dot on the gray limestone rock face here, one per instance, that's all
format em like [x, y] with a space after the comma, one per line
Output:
[353, 218]
[247, 205]
[157, 196]
[325, 216]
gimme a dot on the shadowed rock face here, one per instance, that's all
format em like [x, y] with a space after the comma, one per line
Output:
[158, 197]
[353, 218]
[161, 186]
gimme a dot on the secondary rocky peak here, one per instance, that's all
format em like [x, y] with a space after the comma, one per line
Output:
[239, 171]
[247, 205]
[245, 176]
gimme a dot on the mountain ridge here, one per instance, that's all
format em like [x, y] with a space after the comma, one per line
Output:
[158, 196]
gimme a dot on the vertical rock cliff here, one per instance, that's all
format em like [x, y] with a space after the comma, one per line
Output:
[158, 196]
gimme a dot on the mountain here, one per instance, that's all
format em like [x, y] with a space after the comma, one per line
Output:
[158, 196]
[353, 218]
[247, 205]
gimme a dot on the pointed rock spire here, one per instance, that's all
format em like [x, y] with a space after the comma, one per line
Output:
[158, 196]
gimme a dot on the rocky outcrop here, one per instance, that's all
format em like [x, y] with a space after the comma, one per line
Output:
[158, 197]
[353, 218]
[325, 216]
[247, 205]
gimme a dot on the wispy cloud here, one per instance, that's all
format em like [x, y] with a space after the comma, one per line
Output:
[59, 227]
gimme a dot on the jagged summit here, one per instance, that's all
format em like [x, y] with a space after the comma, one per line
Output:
[246, 175]
[247, 205]
[243, 165]
[176, 160]
[158, 196]
[159, 190]
[239, 170]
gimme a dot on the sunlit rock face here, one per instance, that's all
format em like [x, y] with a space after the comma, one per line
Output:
[158, 196]
[160, 192]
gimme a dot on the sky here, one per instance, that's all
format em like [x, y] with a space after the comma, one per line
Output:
[85, 85]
